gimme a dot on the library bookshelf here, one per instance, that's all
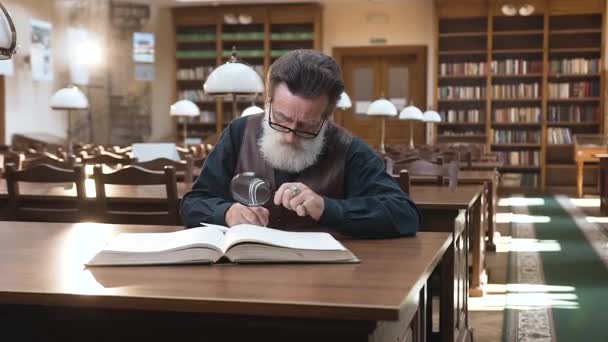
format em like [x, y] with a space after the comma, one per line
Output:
[205, 37]
[522, 85]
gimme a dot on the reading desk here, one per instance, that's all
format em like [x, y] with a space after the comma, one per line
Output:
[384, 298]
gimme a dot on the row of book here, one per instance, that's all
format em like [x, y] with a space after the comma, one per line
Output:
[575, 66]
[573, 113]
[515, 91]
[516, 137]
[508, 179]
[195, 95]
[457, 93]
[519, 158]
[463, 115]
[462, 69]
[565, 90]
[516, 67]
[519, 66]
[517, 114]
[559, 135]
[468, 133]
[198, 73]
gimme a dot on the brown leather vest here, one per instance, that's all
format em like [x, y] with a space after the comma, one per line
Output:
[325, 177]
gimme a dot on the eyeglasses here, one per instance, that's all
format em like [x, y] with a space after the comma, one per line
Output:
[284, 129]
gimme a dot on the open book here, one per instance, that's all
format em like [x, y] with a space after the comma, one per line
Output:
[242, 243]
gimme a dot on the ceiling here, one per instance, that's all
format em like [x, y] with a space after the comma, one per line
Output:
[174, 3]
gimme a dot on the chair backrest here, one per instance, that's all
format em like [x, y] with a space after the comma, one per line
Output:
[49, 159]
[185, 167]
[137, 176]
[403, 178]
[425, 168]
[13, 157]
[62, 209]
[107, 158]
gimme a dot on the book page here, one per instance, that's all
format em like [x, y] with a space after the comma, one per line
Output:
[300, 240]
[158, 242]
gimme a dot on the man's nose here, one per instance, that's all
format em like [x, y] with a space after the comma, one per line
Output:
[290, 137]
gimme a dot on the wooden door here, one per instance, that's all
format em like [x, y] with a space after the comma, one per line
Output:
[396, 73]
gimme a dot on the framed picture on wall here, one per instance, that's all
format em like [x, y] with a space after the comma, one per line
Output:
[143, 47]
[41, 54]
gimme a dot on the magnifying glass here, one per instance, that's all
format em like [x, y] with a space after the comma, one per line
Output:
[249, 189]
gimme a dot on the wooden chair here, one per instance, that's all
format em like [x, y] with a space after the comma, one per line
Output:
[14, 158]
[403, 178]
[424, 168]
[184, 166]
[64, 209]
[167, 213]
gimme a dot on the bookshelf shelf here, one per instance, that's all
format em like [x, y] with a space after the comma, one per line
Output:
[525, 76]
[518, 33]
[463, 34]
[517, 124]
[462, 77]
[462, 52]
[577, 31]
[203, 42]
[580, 99]
[542, 79]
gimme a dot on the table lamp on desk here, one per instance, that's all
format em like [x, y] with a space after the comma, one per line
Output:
[186, 109]
[70, 99]
[384, 109]
[411, 113]
[431, 117]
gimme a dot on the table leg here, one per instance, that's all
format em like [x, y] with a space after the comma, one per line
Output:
[579, 179]
[477, 248]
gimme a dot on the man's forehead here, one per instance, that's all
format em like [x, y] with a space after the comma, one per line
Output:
[285, 102]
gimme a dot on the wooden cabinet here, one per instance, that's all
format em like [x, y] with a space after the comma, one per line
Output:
[205, 36]
[523, 86]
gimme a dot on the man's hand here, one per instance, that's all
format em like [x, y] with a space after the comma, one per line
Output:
[239, 213]
[299, 198]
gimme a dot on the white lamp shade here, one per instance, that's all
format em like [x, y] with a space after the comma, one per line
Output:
[526, 10]
[252, 110]
[411, 113]
[431, 116]
[382, 107]
[344, 101]
[69, 98]
[8, 35]
[508, 10]
[185, 108]
[233, 78]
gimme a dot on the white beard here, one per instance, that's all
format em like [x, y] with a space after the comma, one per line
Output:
[292, 158]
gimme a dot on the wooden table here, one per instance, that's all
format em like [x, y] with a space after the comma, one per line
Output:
[490, 180]
[603, 182]
[585, 154]
[44, 285]
[440, 205]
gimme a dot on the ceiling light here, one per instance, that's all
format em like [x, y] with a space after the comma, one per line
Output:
[508, 10]
[526, 10]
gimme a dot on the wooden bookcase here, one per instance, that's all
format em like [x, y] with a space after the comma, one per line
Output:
[205, 36]
[522, 85]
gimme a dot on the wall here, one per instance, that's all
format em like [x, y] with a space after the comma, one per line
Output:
[401, 22]
[162, 88]
[27, 101]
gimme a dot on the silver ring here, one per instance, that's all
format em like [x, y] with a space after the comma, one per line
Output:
[294, 190]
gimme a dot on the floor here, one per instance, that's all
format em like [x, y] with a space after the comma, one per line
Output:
[486, 313]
